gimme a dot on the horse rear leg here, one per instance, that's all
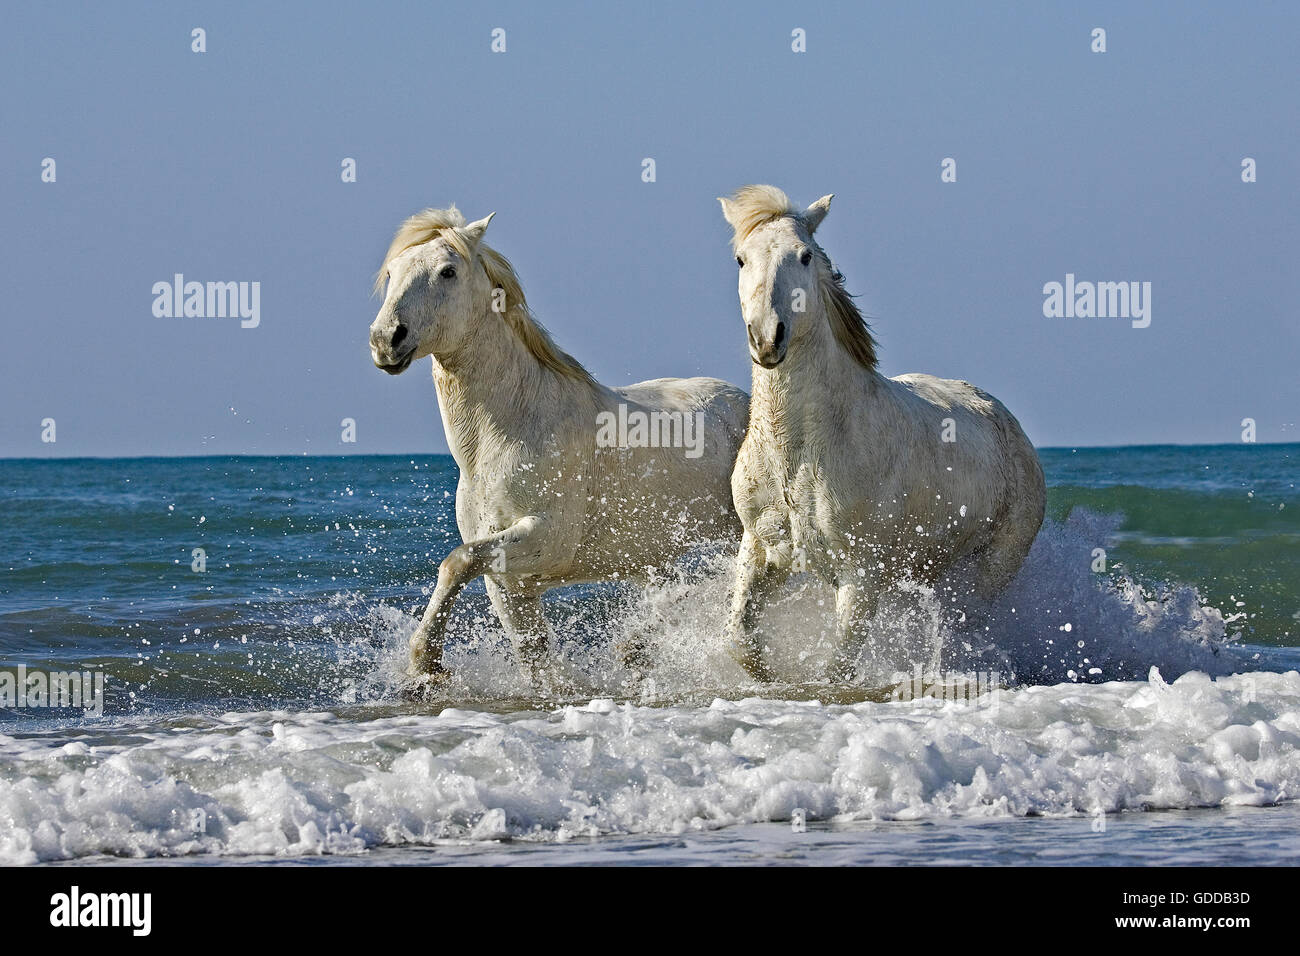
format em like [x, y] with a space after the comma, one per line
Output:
[992, 570]
[997, 565]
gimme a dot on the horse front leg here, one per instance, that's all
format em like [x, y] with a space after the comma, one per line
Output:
[754, 582]
[511, 548]
[855, 606]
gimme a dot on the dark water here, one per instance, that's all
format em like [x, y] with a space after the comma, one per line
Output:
[99, 566]
[97, 557]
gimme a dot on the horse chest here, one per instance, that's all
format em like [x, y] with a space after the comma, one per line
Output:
[793, 511]
[486, 504]
[801, 494]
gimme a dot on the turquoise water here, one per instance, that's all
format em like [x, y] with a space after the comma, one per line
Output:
[260, 691]
[1223, 517]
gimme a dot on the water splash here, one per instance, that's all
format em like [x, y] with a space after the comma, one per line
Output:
[1058, 621]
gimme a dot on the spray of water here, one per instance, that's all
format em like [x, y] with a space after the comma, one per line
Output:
[1060, 620]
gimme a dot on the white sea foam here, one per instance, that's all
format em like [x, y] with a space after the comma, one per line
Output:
[305, 784]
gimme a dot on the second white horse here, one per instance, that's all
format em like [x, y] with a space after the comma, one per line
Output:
[863, 479]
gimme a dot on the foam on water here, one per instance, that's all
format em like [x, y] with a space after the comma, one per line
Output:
[316, 783]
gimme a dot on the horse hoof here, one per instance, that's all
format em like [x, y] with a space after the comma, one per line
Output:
[634, 657]
[842, 672]
[421, 685]
[751, 659]
[552, 684]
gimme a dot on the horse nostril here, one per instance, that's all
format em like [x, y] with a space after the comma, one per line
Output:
[780, 334]
[753, 342]
[399, 333]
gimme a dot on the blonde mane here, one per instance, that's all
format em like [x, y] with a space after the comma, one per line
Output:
[754, 206]
[428, 225]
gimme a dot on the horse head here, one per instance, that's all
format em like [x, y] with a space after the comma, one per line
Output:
[433, 290]
[780, 267]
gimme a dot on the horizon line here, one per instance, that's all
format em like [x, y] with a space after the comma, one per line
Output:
[447, 454]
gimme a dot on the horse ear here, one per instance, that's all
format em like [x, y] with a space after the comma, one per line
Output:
[728, 210]
[815, 213]
[475, 230]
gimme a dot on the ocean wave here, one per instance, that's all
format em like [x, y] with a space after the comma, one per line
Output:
[277, 783]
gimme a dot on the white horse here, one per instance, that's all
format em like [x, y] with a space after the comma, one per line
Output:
[863, 479]
[562, 480]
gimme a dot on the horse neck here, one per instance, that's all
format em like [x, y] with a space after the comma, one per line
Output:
[493, 393]
[805, 400]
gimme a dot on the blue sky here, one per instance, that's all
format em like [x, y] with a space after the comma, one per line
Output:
[225, 165]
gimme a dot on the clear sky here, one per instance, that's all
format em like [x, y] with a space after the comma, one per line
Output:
[225, 166]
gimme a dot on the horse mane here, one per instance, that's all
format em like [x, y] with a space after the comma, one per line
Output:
[449, 223]
[754, 206]
[850, 328]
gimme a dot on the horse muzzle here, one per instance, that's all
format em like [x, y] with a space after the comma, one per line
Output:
[396, 367]
[768, 352]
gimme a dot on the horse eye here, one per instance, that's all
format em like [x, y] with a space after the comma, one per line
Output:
[740, 262]
[806, 257]
[448, 273]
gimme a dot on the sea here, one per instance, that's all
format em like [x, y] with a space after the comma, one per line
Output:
[239, 627]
